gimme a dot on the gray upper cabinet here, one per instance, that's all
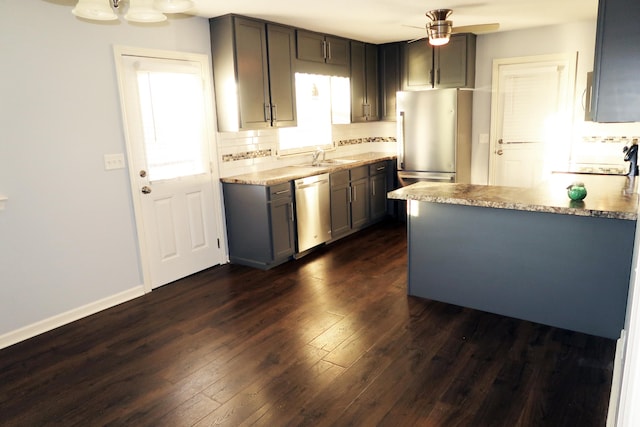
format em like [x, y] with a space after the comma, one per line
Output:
[258, 57]
[616, 76]
[389, 76]
[322, 48]
[364, 82]
[450, 66]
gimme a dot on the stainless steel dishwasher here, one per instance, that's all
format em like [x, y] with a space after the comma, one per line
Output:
[313, 211]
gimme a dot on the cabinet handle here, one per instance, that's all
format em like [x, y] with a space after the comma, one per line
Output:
[355, 193]
[274, 113]
[324, 49]
[350, 194]
[291, 212]
[380, 168]
[373, 188]
[267, 112]
[277, 193]
[328, 50]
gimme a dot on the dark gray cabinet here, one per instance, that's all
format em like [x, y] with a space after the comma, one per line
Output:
[349, 200]
[378, 186]
[389, 76]
[616, 76]
[364, 82]
[253, 73]
[322, 48]
[260, 224]
[449, 66]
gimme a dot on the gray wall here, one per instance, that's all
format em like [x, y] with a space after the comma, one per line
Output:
[67, 234]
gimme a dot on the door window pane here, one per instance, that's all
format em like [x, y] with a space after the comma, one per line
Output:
[172, 106]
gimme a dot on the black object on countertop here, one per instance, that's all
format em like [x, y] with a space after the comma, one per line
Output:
[631, 156]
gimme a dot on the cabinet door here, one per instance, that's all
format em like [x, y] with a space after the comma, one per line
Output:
[358, 82]
[389, 59]
[282, 229]
[616, 80]
[371, 79]
[418, 65]
[378, 190]
[340, 204]
[337, 51]
[359, 203]
[310, 46]
[455, 62]
[252, 74]
[281, 49]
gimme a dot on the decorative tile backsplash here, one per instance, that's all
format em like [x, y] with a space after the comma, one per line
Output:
[354, 141]
[255, 154]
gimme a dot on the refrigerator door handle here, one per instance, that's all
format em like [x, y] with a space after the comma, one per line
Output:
[401, 144]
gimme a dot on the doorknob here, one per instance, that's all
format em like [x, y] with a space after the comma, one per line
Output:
[146, 190]
[143, 173]
[499, 152]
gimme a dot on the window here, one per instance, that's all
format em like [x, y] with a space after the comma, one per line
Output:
[320, 102]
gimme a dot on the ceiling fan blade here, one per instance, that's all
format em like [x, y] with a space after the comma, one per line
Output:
[415, 40]
[477, 29]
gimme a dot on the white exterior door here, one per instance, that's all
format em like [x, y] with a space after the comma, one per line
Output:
[167, 116]
[531, 118]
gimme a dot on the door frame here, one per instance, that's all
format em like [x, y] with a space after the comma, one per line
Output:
[210, 117]
[568, 60]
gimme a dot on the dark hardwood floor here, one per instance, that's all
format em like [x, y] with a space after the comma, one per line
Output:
[328, 340]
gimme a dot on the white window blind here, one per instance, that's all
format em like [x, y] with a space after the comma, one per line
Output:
[530, 100]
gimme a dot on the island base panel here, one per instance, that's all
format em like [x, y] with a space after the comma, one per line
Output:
[566, 271]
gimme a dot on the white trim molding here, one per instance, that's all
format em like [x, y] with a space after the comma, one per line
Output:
[56, 321]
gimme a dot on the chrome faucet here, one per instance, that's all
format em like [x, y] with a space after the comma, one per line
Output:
[316, 156]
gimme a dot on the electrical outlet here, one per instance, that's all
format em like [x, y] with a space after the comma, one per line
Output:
[113, 161]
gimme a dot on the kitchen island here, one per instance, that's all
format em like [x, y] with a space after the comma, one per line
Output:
[531, 254]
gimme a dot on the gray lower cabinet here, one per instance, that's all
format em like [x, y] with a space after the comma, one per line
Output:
[378, 187]
[260, 224]
[349, 201]
[616, 80]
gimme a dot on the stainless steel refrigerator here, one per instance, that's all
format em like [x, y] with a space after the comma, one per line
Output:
[434, 135]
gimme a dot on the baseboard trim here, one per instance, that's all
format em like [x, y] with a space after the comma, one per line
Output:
[616, 383]
[61, 319]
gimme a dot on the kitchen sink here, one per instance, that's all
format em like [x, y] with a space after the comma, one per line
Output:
[328, 162]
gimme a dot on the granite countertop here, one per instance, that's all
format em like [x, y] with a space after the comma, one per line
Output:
[613, 197]
[288, 173]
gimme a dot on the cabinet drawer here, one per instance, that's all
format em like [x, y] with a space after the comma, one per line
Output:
[339, 179]
[378, 168]
[280, 191]
[359, 172]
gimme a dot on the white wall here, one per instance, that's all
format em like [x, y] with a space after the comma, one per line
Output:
[574, 37]
[67, 233]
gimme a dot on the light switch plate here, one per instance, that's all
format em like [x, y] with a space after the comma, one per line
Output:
[113, 161]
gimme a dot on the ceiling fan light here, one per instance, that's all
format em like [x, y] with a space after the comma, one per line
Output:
[143, 11]
[173, 6]
[439, 32]
[96, 10]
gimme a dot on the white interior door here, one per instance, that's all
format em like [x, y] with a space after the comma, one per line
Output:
[166, 116]
[531, 118]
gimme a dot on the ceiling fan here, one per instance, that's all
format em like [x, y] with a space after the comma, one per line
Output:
[439, 28]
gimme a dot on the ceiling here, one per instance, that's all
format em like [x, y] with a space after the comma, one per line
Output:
[380, 21]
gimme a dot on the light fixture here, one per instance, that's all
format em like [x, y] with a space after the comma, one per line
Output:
[139, 10]
[439, 29]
